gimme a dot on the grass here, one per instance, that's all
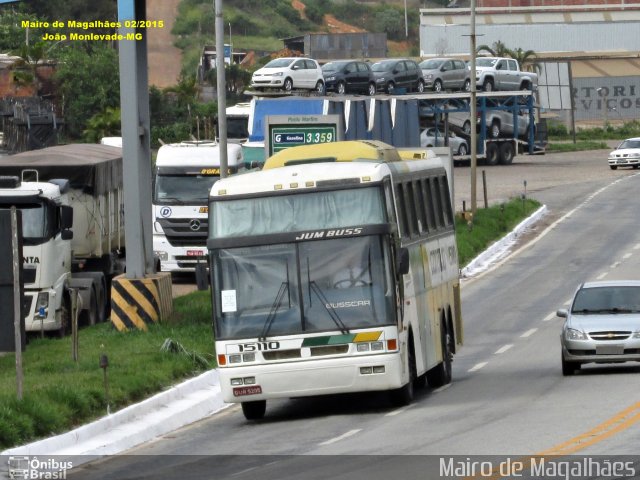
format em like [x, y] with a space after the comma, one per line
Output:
[60, 394]
[489, 225]
[576, 147]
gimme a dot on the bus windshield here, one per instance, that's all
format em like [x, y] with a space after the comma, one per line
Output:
[183, 189]
[295, 288]
[297, 212]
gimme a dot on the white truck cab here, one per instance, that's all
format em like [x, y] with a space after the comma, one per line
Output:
[184, 175]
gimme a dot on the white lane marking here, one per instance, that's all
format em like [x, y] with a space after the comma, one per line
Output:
[503, 349]
[602, 275]
[528, 333]
[444, 387]
[615, 265]
[396, 412]
[243, 471]
[568, 302]
[626, 255]
[637, 247]
[551, 316]
[477, 366]
[341, 437]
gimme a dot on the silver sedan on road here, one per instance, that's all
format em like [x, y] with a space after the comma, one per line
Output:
[602, 325]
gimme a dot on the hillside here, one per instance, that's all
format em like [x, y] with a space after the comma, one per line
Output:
[259, 27]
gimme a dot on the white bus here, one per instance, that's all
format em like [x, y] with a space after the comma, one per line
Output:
[331, 276]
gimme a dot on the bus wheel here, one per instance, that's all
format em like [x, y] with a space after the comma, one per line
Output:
[441, 374]
[404, 395]
[254, 410]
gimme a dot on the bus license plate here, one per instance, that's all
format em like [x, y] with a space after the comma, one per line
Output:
[242, 391]
[195, 253]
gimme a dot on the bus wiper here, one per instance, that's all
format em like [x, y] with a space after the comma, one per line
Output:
[327, 305]
[274, 309]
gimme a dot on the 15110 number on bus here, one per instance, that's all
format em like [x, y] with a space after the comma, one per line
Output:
[258, 346]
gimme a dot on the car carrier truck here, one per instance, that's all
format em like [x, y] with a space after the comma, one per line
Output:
[71, 200]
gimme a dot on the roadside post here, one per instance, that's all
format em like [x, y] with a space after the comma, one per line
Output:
[12, 332]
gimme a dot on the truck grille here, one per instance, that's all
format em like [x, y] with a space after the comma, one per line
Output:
[185, 232]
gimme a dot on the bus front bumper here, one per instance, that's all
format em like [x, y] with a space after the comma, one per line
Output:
[314, 377]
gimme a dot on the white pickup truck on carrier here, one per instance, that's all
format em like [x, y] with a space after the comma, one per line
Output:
[57, 189]
[496, 73]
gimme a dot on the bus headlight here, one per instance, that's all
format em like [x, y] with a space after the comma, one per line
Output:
[235, 358]
[377, 346]
[362, 347]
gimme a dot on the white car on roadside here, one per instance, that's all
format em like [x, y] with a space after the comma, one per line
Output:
[627, 154]
[289, 73]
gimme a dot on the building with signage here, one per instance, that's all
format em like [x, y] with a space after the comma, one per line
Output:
[597, 40]
[334, 46]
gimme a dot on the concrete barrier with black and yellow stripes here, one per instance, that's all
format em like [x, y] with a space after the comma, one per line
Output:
[138, 302]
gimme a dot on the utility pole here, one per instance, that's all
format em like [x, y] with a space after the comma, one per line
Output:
[473, 110]
[222, 89]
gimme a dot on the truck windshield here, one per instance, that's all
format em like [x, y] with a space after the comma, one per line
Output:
[183, 189]
[38, 222]
[238, 127]
[294, 288]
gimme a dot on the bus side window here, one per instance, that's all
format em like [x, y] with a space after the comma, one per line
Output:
[446, 203]
[401, 206]
[409, 201]
[428, 204]
[421, 207]
[437, 203]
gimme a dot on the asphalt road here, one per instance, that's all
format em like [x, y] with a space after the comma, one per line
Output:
[508, 396]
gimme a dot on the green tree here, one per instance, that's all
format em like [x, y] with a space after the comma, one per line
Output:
[391, 21]
[25, 70]
[526, 59]
[12, 35]
[497, 49]
[87, 83]
[103, 124]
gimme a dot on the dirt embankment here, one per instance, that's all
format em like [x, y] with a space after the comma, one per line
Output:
[165, 60]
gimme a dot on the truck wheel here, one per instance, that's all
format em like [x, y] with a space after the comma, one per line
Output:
[65, 318]
[491, 154]
[613, 167]
[487, 86]
[494, 129]
[506, 153]
[437, 86]
[254, 410]
[92, 315]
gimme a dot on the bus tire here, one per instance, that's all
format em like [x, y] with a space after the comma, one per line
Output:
[404, 395]
[441, 374]
[492, 154]
[254, 410]
[506, 153]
